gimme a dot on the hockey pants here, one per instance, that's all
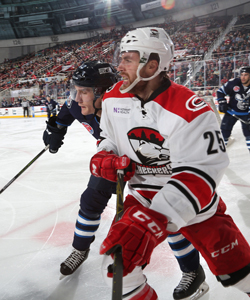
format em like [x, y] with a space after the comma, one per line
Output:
[220, 242]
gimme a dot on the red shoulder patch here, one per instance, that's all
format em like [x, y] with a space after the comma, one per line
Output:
[183, 102]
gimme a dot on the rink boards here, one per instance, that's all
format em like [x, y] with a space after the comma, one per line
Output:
[17, 112]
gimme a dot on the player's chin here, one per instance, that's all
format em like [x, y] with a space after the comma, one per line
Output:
[84, 111]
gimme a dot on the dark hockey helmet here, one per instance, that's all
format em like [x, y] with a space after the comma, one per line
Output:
[95, 74]
[245, 69]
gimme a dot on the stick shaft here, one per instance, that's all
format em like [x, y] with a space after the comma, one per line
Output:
[234, 115]
[118, 264]
[25, 168]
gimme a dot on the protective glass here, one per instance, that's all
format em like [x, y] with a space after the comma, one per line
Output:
[98, 91]
[117, 55]
[73, 91]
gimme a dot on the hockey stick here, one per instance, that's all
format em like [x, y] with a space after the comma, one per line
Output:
[25, 168]
[118, 264]
[234, 115]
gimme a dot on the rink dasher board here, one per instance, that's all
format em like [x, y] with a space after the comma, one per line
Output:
[17, 112]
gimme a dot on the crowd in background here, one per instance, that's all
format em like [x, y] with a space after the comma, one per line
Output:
[192, 37]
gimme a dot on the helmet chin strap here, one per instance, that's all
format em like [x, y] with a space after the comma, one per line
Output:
[94, 101]
[139, 78]
[96, 109]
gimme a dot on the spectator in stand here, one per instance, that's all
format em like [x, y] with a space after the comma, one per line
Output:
[224, 80]
[67, 92]
[200, 94]
[25, 105]
[4, 103]
[34, 97]
[38, 102]
[207, 93]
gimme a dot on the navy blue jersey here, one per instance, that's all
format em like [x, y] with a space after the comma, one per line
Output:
[71, 111]
[239, 96]
[52, 104]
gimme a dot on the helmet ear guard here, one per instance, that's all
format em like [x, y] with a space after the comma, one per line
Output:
[98, 92]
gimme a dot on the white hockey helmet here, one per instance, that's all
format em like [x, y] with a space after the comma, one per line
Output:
[146, 41]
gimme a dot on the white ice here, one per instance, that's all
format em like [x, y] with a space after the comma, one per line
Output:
[38, 212]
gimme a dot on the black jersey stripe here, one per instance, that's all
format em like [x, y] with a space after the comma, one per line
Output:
[146, 186]
[186, 193]
[197, 171]
[210, 205]
[148, 200]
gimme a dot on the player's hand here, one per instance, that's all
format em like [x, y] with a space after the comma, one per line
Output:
[223, 107]
[53, 136]
[105, 164]
[138, 232]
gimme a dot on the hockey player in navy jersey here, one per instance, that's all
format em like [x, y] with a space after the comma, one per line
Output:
[89, 81]
[148, 120]
[92, 78]
[51, 106]
[238, 90]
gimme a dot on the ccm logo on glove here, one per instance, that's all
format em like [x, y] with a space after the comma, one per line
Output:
[139, 215]
[94, 170]
[138, 232]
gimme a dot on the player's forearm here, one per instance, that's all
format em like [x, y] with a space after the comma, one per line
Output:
[64, 117]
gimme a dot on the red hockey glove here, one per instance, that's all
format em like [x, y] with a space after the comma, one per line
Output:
[105, 164]
[139, 231]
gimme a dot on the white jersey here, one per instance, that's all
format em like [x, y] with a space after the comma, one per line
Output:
[175, 141]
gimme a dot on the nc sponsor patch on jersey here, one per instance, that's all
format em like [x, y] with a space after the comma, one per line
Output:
[123, 111]
[88, 127]
[236, 88]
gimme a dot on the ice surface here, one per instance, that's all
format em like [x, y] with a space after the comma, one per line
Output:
[38, 212]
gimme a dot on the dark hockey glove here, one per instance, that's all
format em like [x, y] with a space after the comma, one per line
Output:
[223, 107]
[53, 135]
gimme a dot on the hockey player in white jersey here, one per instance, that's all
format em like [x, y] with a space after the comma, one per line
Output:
[90, 80]
[144, 114]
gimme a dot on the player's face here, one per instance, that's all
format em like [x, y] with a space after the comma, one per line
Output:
[128, 67]
[245, 79]
[85, 97]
